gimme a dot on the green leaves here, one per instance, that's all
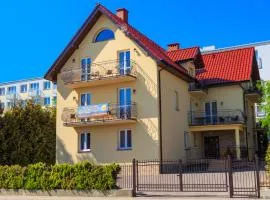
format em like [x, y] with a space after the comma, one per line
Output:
[81, 176]
[28, 135]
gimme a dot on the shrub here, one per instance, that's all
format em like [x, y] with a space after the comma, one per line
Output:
[39, 176]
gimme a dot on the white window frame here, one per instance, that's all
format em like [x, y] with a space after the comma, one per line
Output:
[4, 91]
[13, 91]
[23, 86]
[126, 140]
[45, 101]
[45, 84]
[85, 142]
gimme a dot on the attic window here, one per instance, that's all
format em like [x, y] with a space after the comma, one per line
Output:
[104, 35]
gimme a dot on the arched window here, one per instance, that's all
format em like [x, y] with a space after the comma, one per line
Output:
[104, 35]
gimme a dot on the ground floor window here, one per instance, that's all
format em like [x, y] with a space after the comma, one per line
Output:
[125, 140]
[84, 144]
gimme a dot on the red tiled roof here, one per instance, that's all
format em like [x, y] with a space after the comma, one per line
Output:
[227, 66]
[183, 54]
[148, 45]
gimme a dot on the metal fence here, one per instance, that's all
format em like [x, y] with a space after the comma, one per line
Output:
[235, 177]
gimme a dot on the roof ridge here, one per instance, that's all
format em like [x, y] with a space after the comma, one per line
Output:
[225, 50]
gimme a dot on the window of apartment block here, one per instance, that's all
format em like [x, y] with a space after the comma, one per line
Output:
[47, 101]
[23, 88]
[84, 142]
[176, 100]
[12, 90]
[47, 85]
[23, 103]
[2, 105]
[125, 140]
[54, 86]
[54, 101]
[2, 91]
[259, 111]
[34, 86]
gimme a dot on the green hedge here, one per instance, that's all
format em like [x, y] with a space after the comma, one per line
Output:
[81, 176]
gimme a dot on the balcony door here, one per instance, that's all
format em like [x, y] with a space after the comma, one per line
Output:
[125, 103]
[211, 112]
[86, 99]
[124, 62]
[85, 69]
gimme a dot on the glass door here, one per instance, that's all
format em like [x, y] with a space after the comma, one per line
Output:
[211, 112]
[86, 99]
[85, 69]
[124, 63]
[125, 103]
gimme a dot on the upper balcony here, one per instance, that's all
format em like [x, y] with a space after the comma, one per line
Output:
[99, 115]
[102, 73]
[196, 90]
[221, 117]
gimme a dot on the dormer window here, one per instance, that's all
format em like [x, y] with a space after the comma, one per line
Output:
[104, 35]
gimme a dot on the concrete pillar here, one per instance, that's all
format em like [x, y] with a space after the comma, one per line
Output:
[237, 144]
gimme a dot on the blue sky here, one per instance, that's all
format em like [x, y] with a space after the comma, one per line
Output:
[34, 32]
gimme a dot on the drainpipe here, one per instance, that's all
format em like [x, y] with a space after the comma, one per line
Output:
[244, 98]
[160, 115]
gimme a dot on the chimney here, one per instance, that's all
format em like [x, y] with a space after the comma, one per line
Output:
[174, 46]
[122, 13]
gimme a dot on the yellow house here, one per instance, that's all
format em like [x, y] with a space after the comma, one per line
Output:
[121, 96]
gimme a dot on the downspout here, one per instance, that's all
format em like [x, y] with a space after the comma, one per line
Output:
[160, 115]
[244, 98]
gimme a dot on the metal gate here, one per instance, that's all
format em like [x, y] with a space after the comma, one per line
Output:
[174, 176]
[244, 178]
[236, 177]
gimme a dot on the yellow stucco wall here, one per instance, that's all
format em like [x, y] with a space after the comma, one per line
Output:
[104, 138]
[174, 122]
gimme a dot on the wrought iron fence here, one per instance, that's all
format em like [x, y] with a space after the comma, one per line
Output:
[99, 70]
[235, 177]
[115, 112]
[198, 118]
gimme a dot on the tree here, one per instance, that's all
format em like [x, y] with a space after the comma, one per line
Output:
[27, 135]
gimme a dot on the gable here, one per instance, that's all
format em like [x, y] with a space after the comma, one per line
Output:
[148, 45]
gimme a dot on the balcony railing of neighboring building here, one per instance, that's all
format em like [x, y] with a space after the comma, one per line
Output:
[99, 71]
[99, 113]
[12, 96]
[35, 93]
[199, 118]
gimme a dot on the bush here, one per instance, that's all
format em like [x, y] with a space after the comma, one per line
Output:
[81, 176]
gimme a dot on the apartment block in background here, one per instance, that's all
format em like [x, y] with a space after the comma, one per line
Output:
[41, 91]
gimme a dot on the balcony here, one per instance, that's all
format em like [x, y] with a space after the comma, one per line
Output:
[99, 115]
[101, 73]
[35, 93]
[253, 93]
[197, 90]
[197, 118]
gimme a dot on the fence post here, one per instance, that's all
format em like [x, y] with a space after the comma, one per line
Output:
[230, 176]
[257, 175]
[137, 174]
[181, 175]
[134, 177]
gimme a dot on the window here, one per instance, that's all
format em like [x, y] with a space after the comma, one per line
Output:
[2, 91]
[12, 90]
[2, 106]
[23, 88]
[125, 103]
[104, 35]
[259, 59]
[176, 99]
[125, 140]
[85, 99]
[54, 86]
[47, 85]
[259, 111]
[23, 103]
[47, 101]
[186, 139]
[54, 101]
[86, 69]
[124, 62]
[34, 86]
[84, 142]
[37, 101]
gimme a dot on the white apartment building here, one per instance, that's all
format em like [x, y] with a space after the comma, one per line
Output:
[41, 91]
[262, 50]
